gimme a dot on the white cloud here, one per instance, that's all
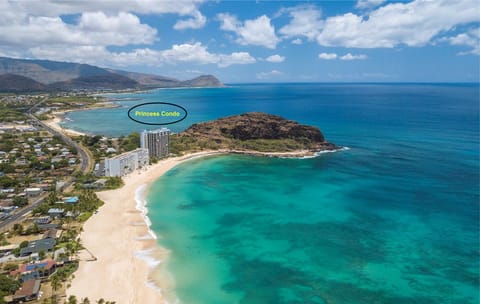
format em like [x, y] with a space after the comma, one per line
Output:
[327, 56]
[251, 32]
[349, 56]
[413, 24]
[235, 58]
[194, 53]
[470, 38]
[53, 8]
[297, 41]
[269, 75]
[196, 22]
[306, 21]
[275, 58]
[91, 29]
[367, 4]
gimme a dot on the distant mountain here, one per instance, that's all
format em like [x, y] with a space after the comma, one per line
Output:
[66, 76]
[19, 84]
[97, 82]
[203, 81]
[46, 71]
[149, 79]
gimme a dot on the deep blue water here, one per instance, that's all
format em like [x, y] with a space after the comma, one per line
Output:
[395, 219]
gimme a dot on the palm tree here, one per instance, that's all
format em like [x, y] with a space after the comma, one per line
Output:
[72, 300]
[56, 284]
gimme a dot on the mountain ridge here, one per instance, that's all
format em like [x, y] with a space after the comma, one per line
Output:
[69, 76]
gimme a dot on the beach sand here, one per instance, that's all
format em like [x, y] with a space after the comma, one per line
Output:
[55, 124]
[117, 236]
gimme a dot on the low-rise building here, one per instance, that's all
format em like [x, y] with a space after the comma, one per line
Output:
[127, 162]
[39, 270]
[33, 191]
[55, 212]
[37, 246]
[28, 292]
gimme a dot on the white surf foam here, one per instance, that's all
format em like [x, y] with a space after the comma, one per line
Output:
[141, 205]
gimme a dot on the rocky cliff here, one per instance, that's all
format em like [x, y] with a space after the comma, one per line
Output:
[252, 131]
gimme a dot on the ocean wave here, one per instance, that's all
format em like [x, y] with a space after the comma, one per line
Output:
[319, 153]
[141, 205]
[147, 256]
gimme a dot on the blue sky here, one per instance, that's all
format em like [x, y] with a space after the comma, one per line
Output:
[254, 41]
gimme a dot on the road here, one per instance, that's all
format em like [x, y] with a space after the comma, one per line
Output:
[85, 165]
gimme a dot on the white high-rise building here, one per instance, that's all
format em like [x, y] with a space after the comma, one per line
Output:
[156, 141]
[127, 162]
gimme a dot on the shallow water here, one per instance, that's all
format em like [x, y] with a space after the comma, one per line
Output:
[392, 220]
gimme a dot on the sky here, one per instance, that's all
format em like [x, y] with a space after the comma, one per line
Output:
[254, 41]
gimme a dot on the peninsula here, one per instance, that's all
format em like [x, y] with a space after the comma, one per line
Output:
[252, 133]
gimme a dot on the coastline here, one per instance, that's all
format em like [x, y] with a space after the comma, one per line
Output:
[60, 115]
[121, 251]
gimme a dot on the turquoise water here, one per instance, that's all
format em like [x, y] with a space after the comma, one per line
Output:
[395, 219]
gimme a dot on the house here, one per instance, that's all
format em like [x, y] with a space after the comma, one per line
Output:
[28, 292]
[40, 270]
[71, 200]
[55, 212]
[33, 191]
[42, 220]
[38, 246]
[45, 227]
[42, 186]
[50, 234]
[56, 159]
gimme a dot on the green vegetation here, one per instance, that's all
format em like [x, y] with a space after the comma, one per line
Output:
[7, 286]
[74, 99]
[113, 182]
[129, 143]
[88, 203]
[267, 145]
[20, 201]
[7, 114]
[180, 145]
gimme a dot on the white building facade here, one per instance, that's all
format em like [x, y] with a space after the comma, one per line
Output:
[127, 162]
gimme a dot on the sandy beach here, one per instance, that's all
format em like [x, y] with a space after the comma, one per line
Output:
[55, 124]
[116, 238]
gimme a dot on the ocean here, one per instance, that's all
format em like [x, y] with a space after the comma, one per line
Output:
[392, 219]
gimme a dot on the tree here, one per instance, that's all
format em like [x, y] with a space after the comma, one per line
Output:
[86, 301]
[7, 286]
[20, 201]
[18, 228]
[56, 283]
[23, 244]
[72, 300]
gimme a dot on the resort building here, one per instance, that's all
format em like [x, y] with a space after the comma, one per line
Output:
[156, 141]
[127, 162]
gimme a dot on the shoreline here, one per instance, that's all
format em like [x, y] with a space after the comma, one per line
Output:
[59, 117]
[121, 250]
